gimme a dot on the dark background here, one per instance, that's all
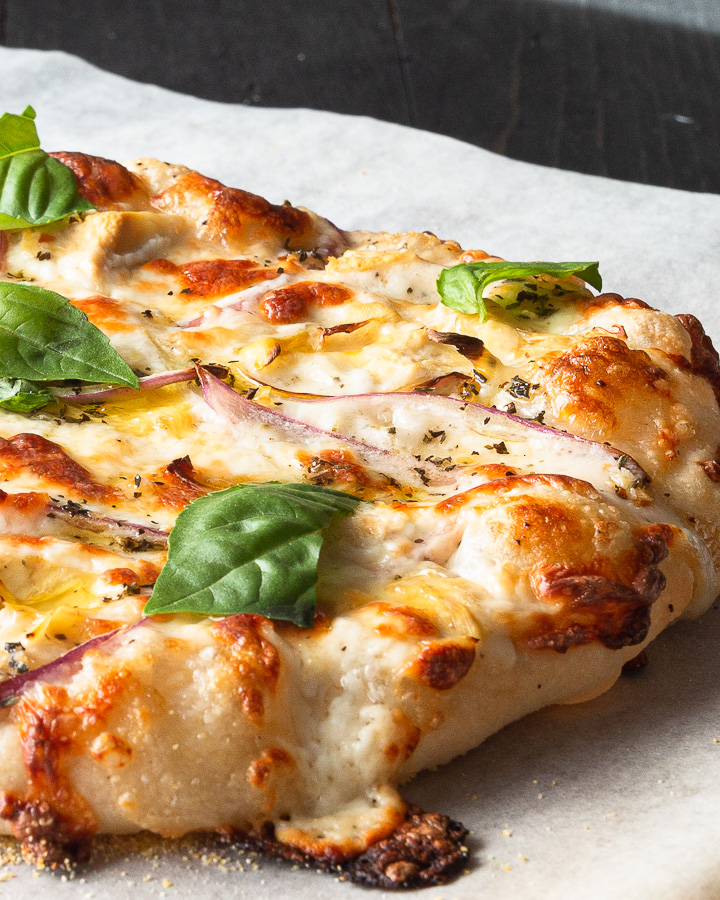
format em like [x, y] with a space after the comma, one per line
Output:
[625, 88]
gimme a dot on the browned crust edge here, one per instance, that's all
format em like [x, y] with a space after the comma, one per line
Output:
[594, 608]
[704, 360]
[427, 849]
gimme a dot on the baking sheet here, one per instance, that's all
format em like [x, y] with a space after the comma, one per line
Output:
[616, 797]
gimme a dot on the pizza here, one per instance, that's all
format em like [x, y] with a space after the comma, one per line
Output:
[289, 514]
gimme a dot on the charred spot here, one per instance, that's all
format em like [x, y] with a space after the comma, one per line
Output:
[101, 182]
[447, 385]
[48, 461]
[592, 607]
[469, 346]
[293, 303]
[442, 665]
[636, 664]
[347, 328]
[47, 835]
[426, 849]
[704, 359]
[711, 468]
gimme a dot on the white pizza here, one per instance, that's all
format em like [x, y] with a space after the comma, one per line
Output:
[289, 514]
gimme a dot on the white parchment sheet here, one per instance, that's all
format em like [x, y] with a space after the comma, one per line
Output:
[615, 798]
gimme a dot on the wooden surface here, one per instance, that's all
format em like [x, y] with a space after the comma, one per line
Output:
[625, 88]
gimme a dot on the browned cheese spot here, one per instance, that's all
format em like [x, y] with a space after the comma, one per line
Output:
[178, 484]
[111, 750]
[589, 604]
[503, 483]
[214, 277]
[400, 752]
[260, 770]
[48, 461]
[144, 573]
[610, 299]
[333, 467]
[293, 303]
[442, 664]
[231, 214]
[253, 660]
[53, 820]
[25, 503]
[399, 622]
[101, 182]
[470, 256]
[107, 314]
[595, 378]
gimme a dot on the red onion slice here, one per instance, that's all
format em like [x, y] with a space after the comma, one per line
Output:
[240, 411]
[388, 420]
[149, 383]
[130, 532]
[376, 416]
[63, 666]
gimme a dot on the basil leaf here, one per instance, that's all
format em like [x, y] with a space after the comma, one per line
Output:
[34, 188]
[457, 285]
[43, 337]
[458, 288]
[252, 548]
[22, 396]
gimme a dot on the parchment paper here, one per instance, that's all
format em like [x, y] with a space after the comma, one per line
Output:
[618, 797]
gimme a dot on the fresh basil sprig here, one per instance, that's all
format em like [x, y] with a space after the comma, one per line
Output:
[462, 287]
[34, 188]
[43, 337]
[22, 396]
[252, 548]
